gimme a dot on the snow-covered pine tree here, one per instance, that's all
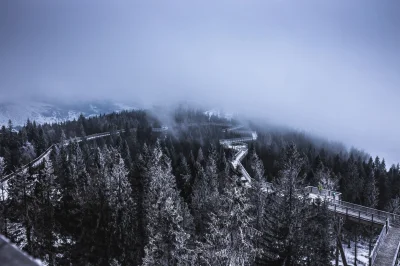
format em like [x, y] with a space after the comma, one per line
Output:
[27, 152]
[205, 192]
[123, 208]
[3, 198]
[168, 220]
[126, 155]
[19, 192]
[394, 205]
[318, 235]
[353, 183]
[257, 193]
[78, 171]
[44, 199]
[230, 234]
[211, 172]
[91, 248]
[185, 178]
[139, 182]
[285, 213]
[223, 176]
[326, 178]
[371, 191]
[200, 156]
[63, 139]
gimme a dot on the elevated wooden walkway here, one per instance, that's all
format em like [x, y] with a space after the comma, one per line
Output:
[388, 249]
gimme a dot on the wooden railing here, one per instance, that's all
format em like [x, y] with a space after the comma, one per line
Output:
[38, 159]
[229, 141]
[363, 211]
[378, 243]
[78, 139]
[395, 259]
[324, 192]
[26, 166]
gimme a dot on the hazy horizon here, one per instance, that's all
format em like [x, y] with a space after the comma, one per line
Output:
[326, 67]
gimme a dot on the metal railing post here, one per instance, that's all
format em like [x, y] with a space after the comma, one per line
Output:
[387, 226]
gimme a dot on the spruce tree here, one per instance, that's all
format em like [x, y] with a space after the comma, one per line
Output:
[230, 234]
[167, 216]
[44, 223]
[285, 213]
[257, 190]
[318, 235]
[185, 178]
[115, 189]
[371, 192]
[3, 199]
[19, 192]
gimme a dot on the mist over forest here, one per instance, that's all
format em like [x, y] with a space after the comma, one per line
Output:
[232, 132]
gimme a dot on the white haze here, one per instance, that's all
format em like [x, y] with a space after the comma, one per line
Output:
[326, 67]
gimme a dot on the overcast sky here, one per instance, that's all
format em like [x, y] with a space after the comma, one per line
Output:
[331, 67]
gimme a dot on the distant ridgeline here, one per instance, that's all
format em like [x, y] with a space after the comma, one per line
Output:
[151, 192]
[42, 112]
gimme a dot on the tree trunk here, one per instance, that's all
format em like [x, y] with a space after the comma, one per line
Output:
[342, 251]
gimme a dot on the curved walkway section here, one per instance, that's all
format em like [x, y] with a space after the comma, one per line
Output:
[46, 154]
[240, 147]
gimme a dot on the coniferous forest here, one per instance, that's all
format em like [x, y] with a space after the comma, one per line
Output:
[141, 197]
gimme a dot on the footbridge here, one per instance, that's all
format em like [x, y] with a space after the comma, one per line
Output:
[240, 147]
[46, 154]
[386, 248]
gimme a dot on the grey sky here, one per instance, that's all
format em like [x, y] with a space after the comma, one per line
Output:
[330, 67]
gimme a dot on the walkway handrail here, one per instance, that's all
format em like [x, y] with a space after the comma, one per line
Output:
[223, 141]
[241, 148]
[396, 255]
[377, 245]
[26, 166]
[45, 153]
[323, 192]
[382, 215]
[393, 218]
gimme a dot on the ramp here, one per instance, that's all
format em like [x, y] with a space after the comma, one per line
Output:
[387, 252]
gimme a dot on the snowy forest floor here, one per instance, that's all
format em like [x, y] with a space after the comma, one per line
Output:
[362, 251]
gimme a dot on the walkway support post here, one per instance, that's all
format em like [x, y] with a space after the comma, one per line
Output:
[371, 228]
[337, 239]
[355, 245]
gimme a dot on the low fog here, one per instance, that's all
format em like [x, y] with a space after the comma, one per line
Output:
[330, 67]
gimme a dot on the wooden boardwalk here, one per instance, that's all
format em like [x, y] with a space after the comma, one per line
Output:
[388, 250]
[387, 246]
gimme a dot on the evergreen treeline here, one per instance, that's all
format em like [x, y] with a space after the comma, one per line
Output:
[147, 198]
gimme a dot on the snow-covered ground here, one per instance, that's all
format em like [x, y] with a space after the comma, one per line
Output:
[362, 252]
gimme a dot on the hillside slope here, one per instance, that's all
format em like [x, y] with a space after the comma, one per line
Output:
[43, 112]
